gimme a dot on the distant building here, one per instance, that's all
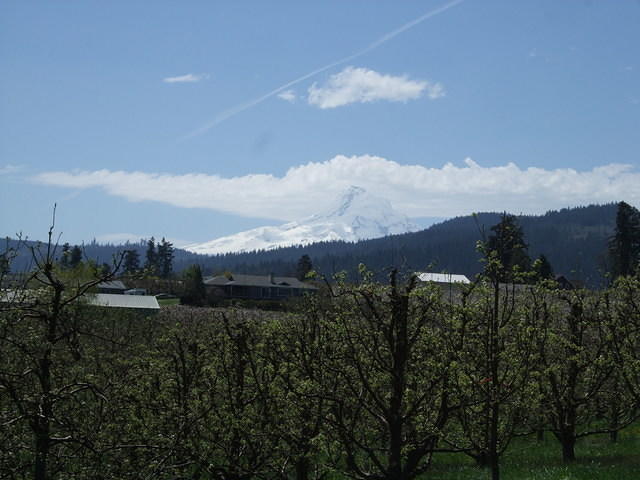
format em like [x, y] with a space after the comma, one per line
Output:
[114, 286]
[147, 303]
[136, 291]
[450, 283]
[256, 287]
[564, 283]
[141, 303]
[443, 278]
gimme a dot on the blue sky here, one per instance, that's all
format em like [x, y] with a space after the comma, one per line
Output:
[175, 119]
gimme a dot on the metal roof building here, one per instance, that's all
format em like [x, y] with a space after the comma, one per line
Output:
[442, 278]
[111, 300]
[147, 302]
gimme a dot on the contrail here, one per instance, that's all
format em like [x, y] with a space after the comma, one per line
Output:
[221, 117]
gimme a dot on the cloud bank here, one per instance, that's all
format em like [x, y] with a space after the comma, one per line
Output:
[415, 190]
[361, 85]
[188, 78]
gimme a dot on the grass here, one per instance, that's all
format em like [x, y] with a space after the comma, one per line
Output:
[527, 459]
[165, 302]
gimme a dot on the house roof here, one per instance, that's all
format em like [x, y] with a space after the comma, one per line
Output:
[112, 285]
[96, 299]
[123, 301]
[442, 278]
[257, 281]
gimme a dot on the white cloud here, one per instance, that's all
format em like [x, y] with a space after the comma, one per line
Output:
[415, 190]
[8, 169]
[288, 95]
[188, 78]
[231, 112]
[362, 85]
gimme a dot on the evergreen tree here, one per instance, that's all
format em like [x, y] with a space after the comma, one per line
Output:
[151, 261]
[75, 257]
[165, 258]
[507, 245]
[5, 265]
[542, 268]
[194, 289]
[65, 257]
[624, 246]
[304, 267]
[131, 262]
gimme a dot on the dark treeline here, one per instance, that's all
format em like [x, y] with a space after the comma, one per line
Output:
[574, 240]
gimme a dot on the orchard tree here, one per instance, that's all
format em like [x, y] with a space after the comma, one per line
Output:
[578, 374]
[391, 403]
[44, 392]
[624, 327]
[298, 349]
[493, 340]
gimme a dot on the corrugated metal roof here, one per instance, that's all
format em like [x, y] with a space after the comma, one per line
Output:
[123, 301]
[257, 281]
[442, 278]
[95, 299]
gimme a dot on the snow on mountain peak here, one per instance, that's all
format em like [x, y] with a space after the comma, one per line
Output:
[347, 199]
[356, 215]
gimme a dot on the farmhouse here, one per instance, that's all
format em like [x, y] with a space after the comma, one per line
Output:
[113, 287]
[256, 287]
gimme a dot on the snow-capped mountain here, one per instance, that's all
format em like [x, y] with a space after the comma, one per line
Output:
[357, 215]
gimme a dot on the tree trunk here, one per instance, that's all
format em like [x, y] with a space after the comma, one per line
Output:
[568, 449]
[42, 426]
[302, 468]
[42, 455]
[399, 320]
[482, 460]
[494, 359]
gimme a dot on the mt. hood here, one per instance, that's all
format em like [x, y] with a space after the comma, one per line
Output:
[357, 215]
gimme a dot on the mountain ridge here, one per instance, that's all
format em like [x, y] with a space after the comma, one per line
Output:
[573, 239]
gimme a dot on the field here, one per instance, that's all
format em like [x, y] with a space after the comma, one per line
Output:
[526, 459]
[167, 302]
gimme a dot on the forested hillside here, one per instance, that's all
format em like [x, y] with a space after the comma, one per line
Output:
[573, 239]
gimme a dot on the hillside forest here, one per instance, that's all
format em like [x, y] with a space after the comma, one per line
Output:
[574, 240]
